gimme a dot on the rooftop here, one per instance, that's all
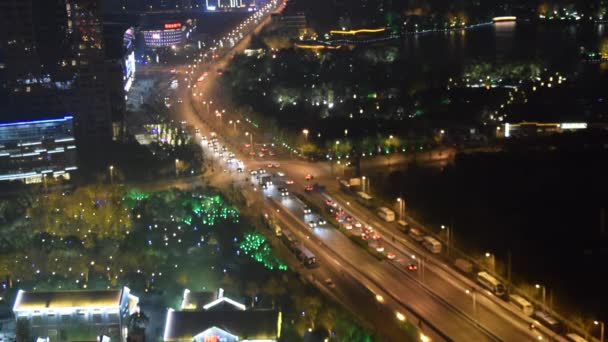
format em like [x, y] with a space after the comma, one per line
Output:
[67, 299]
[248, 325]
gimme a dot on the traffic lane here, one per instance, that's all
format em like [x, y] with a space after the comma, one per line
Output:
[401, 287]
[490, 315]
[347, 288]
[404, 288]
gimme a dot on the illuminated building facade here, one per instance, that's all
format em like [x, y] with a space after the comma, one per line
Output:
[210, 317]
[33, 150]
[55, 63]
[68, 315]
[169, 35]
[522, 129]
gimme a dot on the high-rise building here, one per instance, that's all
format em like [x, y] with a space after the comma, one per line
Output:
[54, 62]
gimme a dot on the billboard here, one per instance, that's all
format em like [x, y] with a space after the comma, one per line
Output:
[129, 70]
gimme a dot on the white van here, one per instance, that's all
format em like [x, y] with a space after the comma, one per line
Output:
[523, 305]
[432, 244]
[416, 234]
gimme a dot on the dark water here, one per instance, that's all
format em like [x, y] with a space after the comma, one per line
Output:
[545, 208]
[555, 46]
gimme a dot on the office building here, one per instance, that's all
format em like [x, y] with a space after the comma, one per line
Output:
[76, 315]
[55, 63]
[35, 149]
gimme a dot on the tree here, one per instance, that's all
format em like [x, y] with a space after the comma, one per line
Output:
[277, 42]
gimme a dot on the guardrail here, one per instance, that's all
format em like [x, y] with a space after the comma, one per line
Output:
[469, 279]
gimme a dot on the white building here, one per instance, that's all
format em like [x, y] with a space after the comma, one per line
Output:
[76, 315]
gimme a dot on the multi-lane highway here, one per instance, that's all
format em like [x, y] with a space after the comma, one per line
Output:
[434, 297]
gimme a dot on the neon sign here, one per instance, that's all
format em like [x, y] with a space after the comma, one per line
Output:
[173, 25]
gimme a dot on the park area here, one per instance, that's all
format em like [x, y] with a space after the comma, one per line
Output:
[157, 244]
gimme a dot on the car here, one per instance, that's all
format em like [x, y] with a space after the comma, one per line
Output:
[412, 267]
[391, 255]
[348, 218]
[272, 154]
[358, 224]
[264, 186]
[261, 171]
[306, 210]
[348, 226]
[283, 192]
[364, 236]
[309, 177]
[380, 249]
[330, 202]
[321, 222]
[289, 181]
[253, 172]
[329, 283]
[277, 164]
[308, 188]
[312, 224]
[252, 153]
[270, 166]
[376, 236]
[261, 155]
[239, 169]
[179, 100]
[197, 131]
[281, 174]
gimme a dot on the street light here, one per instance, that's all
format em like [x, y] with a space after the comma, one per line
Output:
[379, 298]
[544, 289]
[601, 324]
[448, 237]
[366, 185]
[491, 260]
[176, 162]
[250, 138]
[401, 208]
[112, 174]
[474, 296]
[305, 132]
[400, 316]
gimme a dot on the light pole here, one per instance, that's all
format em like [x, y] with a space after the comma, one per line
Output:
[250, 139]
[601, 324]
[420, 262]
[176, 170]
[448, 237]
[474, 296]
[401, 208]
[112, 174]
[544, 289]
[343, 167]
[366, 185]
[305, 132]
[491, 260]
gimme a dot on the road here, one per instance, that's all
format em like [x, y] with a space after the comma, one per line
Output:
[439, 299]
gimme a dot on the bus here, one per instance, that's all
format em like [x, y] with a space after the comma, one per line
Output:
[523, 305]
[306, 257]
[548, 321]
[491, 283]
[386, 214]
[289, 240]
[364, 199]
[432, 244]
